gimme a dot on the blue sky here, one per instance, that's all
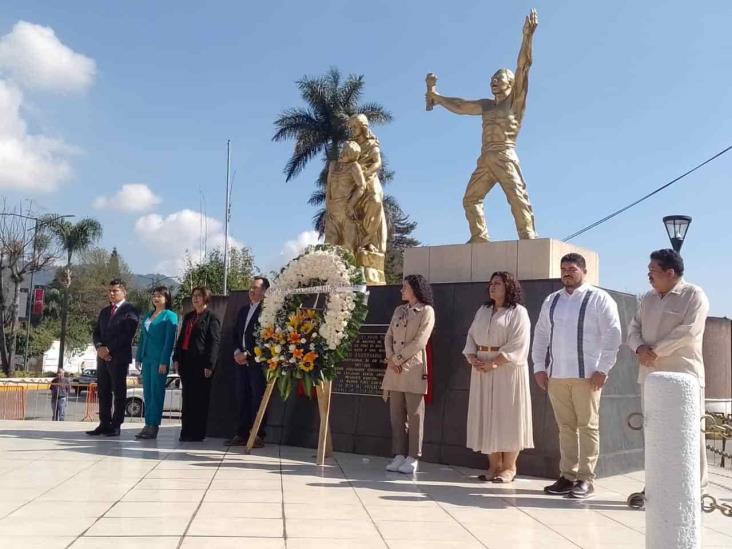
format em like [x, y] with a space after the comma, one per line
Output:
[623, 96]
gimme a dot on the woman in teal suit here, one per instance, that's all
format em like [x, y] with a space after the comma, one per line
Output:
[154, 351]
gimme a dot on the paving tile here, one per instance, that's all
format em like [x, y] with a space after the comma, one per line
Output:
[190, 542]
[126, 542]
[139, 526]
[245, 509]
[203, 525]
[152, 509]
[335, 529]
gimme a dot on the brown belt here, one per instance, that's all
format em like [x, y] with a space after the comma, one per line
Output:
[488, 349]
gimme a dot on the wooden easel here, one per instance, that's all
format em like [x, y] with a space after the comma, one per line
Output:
[323, 391]
[325, 441]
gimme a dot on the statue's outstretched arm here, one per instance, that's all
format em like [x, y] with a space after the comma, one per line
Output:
[521, 84]
[457, 105]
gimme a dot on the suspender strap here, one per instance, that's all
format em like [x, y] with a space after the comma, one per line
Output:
[581, 333]
[549, 359]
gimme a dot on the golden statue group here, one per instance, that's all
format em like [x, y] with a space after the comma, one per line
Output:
[354, 201]
[354, 198]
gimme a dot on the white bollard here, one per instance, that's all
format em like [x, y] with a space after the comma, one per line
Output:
[672, 423]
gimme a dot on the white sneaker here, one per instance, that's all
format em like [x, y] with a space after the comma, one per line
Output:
[409, 466]
[394, 464]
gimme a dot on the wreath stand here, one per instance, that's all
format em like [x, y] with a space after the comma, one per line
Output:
[325, 440]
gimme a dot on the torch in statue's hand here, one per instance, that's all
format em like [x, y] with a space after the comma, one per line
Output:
[429, 98]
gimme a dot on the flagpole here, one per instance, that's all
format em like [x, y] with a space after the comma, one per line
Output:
[226, 218]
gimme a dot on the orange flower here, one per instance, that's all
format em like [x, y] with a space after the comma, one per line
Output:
[293, 338]
[268, 333]
[308, 361]
[272, 364]
[297, 354]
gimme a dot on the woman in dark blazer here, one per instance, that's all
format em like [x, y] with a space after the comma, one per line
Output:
[194, 358]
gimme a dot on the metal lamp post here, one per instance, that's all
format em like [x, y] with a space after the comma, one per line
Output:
[676, 228]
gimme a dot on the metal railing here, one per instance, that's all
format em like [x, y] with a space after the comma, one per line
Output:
[32, 400]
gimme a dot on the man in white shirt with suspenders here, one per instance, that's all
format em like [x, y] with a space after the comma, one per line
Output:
[576, 341]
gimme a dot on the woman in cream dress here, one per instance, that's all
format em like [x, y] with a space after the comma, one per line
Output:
[497, 349]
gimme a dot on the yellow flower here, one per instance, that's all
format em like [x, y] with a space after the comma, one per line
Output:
[309, 359]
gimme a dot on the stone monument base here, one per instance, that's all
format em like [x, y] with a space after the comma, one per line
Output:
[360, 424]
[527, 259]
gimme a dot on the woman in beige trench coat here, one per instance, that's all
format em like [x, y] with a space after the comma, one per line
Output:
[405, 381]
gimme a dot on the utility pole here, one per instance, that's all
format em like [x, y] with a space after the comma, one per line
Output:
[227, 211]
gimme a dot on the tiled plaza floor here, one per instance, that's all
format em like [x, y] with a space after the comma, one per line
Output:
[60, 488]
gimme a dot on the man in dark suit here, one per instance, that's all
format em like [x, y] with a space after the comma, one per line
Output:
[113, 333]
[250, 381]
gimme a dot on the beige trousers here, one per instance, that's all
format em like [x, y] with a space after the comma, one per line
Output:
[577, 411]
[702, 438]
[407, 423]
[500, 167]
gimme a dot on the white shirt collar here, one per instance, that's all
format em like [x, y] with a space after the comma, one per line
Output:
[577, 291]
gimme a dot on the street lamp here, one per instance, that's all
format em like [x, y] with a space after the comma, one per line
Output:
[676, 227]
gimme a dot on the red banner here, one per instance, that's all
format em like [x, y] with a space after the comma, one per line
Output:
[38, 295]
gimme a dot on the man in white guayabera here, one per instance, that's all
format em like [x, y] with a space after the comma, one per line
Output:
[576, 341]
[666, 333]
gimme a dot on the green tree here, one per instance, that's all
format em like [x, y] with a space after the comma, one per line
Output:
[73, 238]
[210, 273]
[319, 129]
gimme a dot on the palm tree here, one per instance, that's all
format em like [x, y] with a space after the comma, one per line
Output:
[72, 238]
[321, 128]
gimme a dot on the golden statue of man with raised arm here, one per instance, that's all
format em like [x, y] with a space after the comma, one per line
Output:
[498, 162]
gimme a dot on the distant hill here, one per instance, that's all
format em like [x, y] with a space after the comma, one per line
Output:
[138, 281]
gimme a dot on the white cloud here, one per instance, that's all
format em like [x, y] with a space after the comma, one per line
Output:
[28, 161]
[33, 57]
[132, 197]
[170, 238]
[293, 248]
[290, 250]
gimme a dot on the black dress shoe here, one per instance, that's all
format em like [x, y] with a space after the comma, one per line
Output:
[560, 488]
[96, 432]
[637, 500]
[581, 490]
[112, 432]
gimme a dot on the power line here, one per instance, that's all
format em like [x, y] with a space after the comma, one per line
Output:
[658, 190]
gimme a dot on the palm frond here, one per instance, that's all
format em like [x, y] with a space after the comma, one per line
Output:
[351, 92]
[317, 198]
[294, 122]
[319, 222]
[375, 113]
[299, 160]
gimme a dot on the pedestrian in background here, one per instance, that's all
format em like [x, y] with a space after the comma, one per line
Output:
[60, 389]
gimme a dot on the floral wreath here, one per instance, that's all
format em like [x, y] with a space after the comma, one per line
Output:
[298, 344]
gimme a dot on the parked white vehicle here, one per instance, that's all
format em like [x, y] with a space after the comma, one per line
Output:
[172, 404]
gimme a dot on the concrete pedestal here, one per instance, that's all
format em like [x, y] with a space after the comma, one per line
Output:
[527, 259]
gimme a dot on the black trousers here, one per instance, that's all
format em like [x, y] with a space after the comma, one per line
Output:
[196, 397]
[250, 386]
[112, 389]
